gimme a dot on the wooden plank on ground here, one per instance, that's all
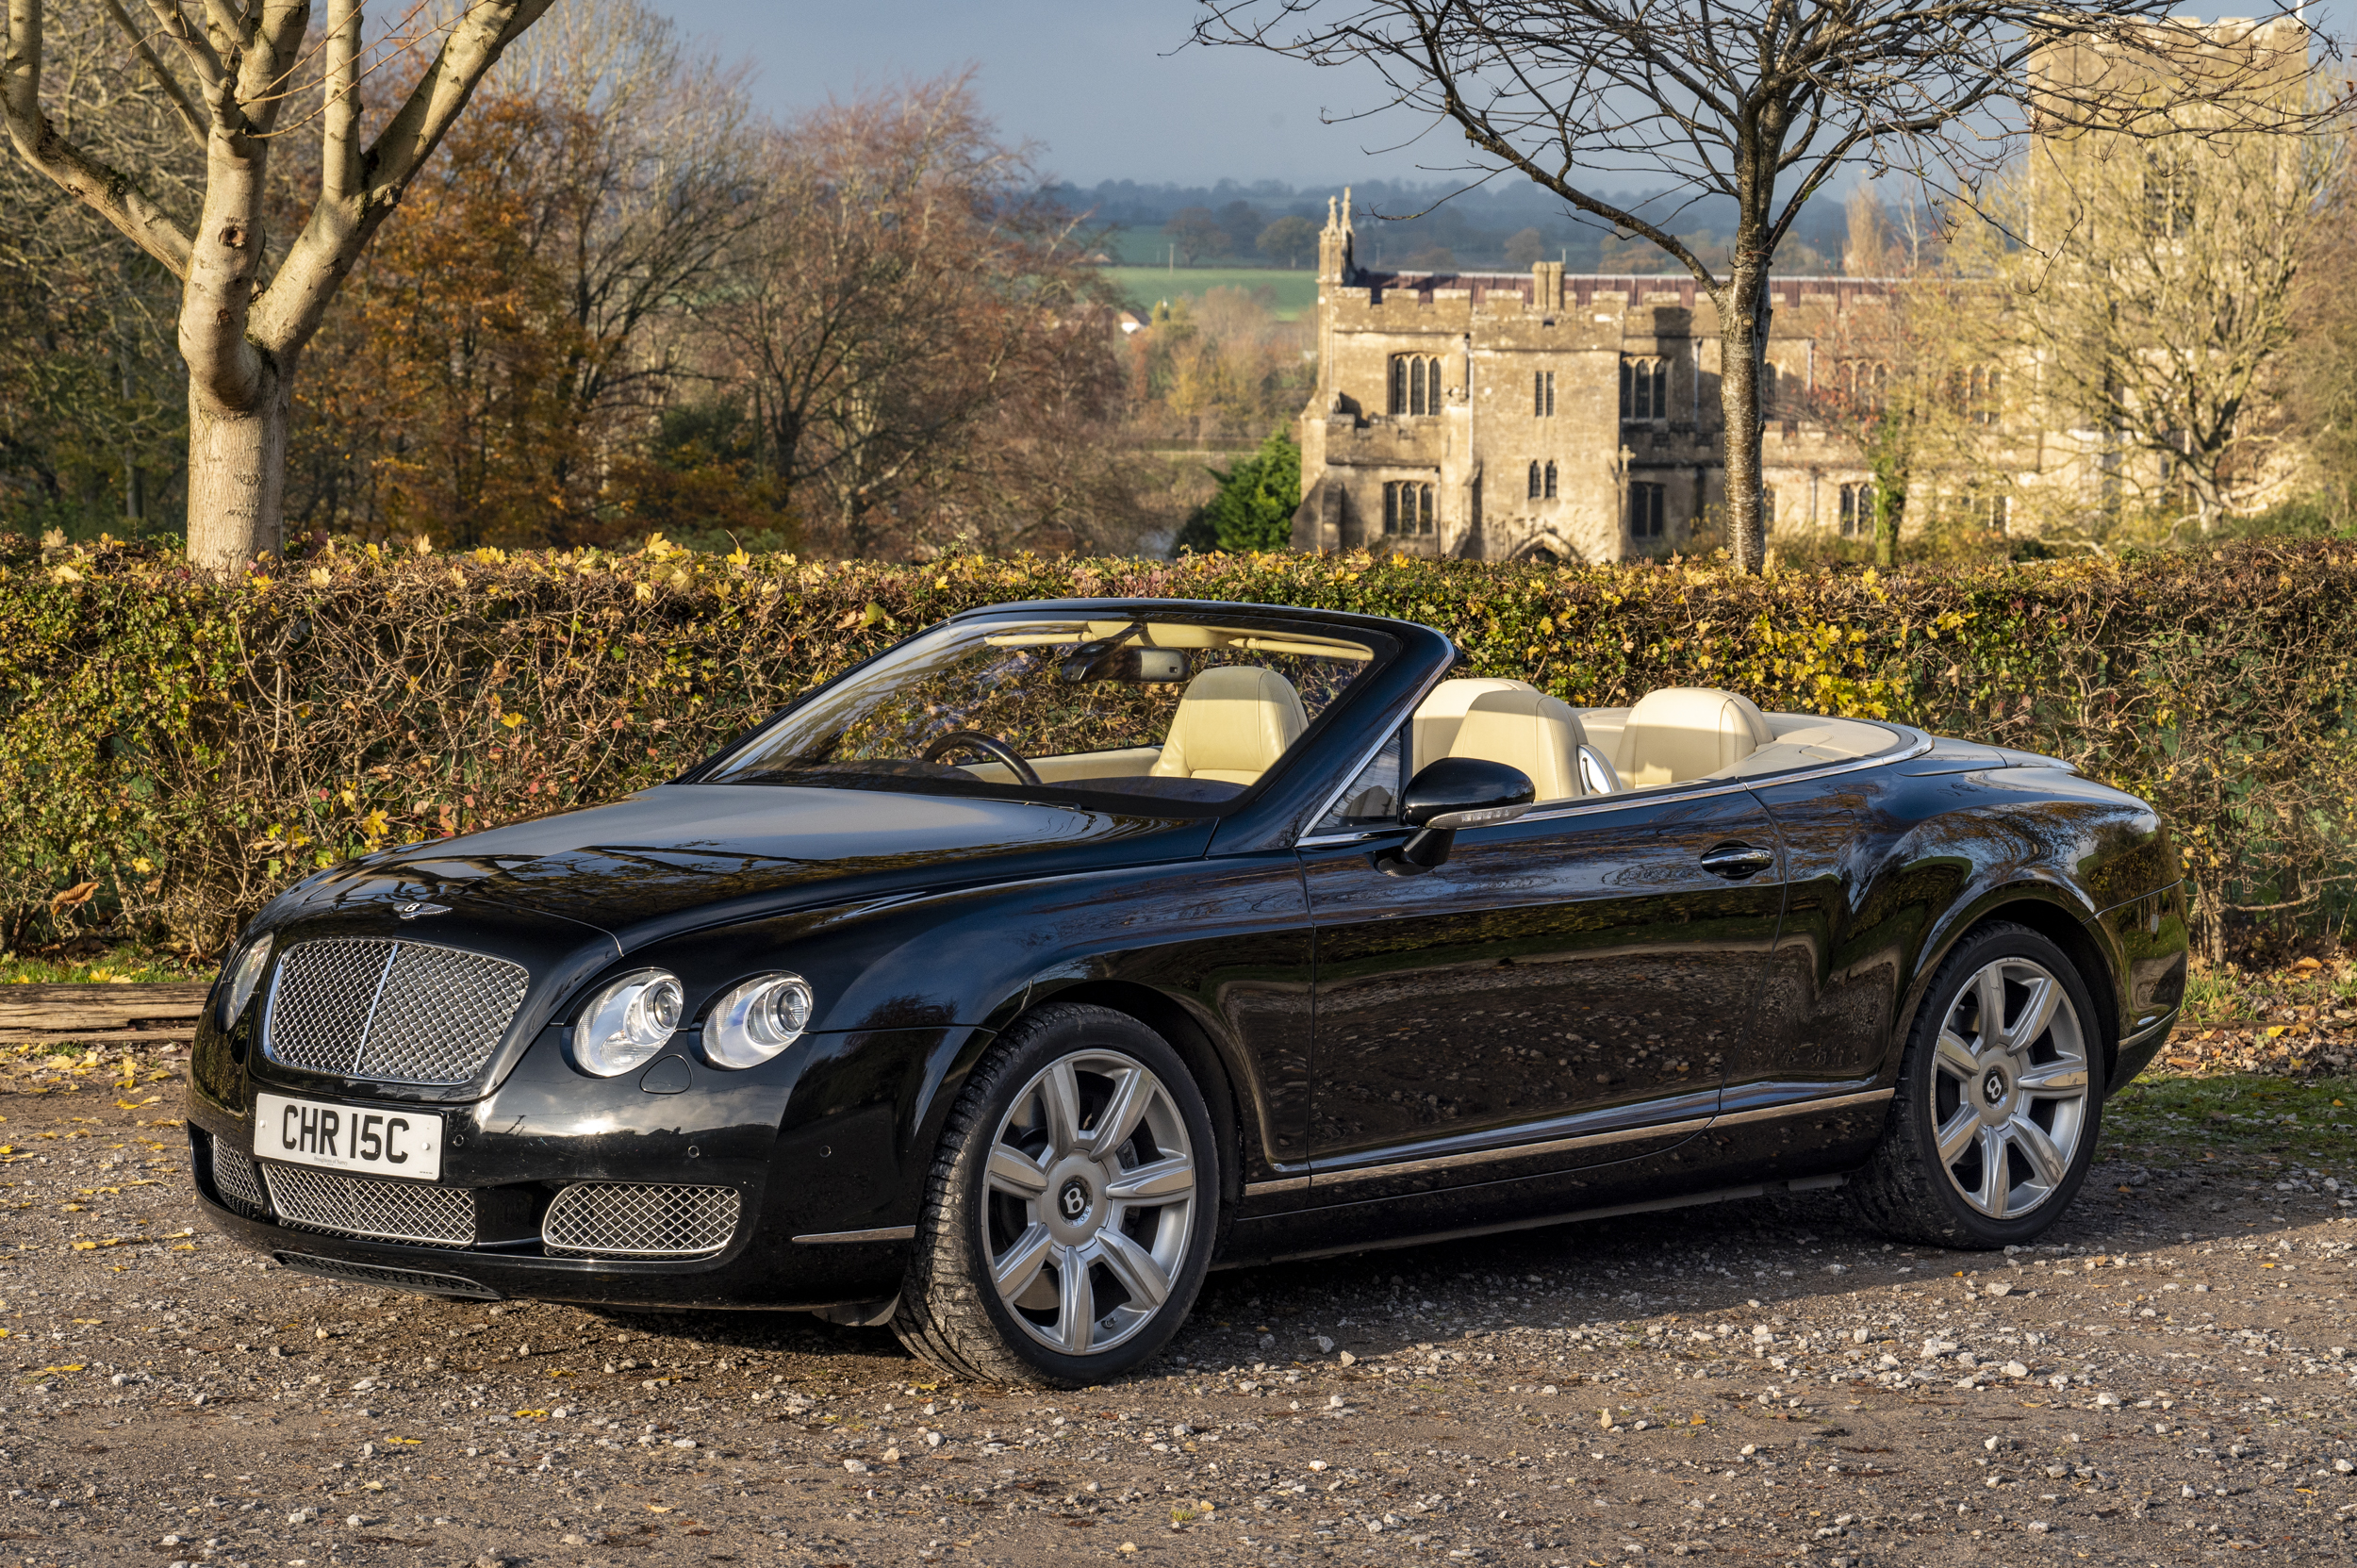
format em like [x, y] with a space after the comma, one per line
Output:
[70, 1011]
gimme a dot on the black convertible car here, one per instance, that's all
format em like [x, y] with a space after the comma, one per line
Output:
[1001, 986]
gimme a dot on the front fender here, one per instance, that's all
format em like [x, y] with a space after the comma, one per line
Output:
[915, 989]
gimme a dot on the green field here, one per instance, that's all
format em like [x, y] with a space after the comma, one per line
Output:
[1297, 292]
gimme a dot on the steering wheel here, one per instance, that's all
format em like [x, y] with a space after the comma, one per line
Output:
[990, 745]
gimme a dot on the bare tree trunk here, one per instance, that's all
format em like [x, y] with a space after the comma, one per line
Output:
[237, 401]
[238, 476]
[1743, 339]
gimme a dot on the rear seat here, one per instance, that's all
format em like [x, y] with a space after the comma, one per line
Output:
[1681, 733]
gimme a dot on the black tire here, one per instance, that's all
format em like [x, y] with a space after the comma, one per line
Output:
[1906, 1190]
[952, 1315]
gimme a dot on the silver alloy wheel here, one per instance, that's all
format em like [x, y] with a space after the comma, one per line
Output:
[1089, 1201]
[2009, 1088]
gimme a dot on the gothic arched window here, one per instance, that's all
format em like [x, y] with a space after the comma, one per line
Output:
[1415, 384]
[1407, 507]
[1644, 389]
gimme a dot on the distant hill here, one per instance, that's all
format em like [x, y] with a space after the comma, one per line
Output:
[1436, 223]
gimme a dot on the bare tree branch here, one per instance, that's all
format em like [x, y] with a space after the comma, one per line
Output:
[340, 149]
[199, 49]
[339, 229]
[164, 78]
[109, 191]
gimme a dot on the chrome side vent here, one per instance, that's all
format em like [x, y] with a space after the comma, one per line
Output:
[617, 1219]
[236, 1179]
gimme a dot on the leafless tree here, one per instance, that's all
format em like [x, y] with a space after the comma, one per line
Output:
[903, 279]
[657, 197]
[230, 72]
[1764, 102]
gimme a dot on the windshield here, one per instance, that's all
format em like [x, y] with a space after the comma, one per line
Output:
[1189, 712]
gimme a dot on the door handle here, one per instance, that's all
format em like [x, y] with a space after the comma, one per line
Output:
[1735, 860]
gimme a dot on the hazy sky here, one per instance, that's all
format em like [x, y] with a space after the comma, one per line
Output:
[1109, 87]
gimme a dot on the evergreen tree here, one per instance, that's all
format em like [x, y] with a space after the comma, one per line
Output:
[1253, 508]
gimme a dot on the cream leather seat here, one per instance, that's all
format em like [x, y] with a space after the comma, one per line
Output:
[1231, 725]
[1505, 721]
[1681, 733]
[1443, 709]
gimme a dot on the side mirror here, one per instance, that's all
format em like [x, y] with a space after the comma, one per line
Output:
[1445, 796]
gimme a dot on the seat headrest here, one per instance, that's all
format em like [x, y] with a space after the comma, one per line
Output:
[1442, 709]
[1232, 725]
[1681, 733]
[1528, 729]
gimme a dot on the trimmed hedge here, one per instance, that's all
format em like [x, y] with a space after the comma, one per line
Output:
[176, 749]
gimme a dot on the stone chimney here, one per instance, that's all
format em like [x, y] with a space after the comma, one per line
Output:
[1334, 243]
[1546, 292]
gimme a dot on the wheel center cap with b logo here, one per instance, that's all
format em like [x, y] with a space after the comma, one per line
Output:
[1993, 1087]
[1073, 1200]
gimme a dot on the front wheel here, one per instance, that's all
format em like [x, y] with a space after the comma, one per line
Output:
[1070, 1216]
[1999, 1099]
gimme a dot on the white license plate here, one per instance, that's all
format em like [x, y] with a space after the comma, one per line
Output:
[348, 1137]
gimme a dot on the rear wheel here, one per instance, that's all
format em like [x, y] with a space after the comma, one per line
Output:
[1071, 1208]
[1999, 1099]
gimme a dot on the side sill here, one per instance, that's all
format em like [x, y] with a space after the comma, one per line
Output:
[1803, 1107]
[1721, 1195]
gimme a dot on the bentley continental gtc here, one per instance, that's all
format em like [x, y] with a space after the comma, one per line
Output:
[1001, 986]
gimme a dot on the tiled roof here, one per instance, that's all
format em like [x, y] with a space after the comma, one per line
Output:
[1585, 288]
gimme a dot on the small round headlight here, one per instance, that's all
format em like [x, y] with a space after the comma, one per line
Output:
[757, 1020]
[244, 974]
[627, 1022]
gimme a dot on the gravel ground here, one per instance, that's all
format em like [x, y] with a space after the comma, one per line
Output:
[2162, 1381]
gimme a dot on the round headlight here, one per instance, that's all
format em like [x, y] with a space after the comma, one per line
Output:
[244, 974]
[757, 1020]
[627, 1022]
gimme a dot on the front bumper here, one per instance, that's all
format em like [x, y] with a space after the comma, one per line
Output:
[798, 1154]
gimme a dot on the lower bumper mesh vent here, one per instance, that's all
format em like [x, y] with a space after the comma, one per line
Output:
[238, 1183]
[615, 1219]
[364, 1206]
[393, 1279]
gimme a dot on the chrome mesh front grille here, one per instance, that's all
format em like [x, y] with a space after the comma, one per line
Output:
[615, 1219]
[364, 1206]
[394, 1012]
[235, 1181]
[320, 1003]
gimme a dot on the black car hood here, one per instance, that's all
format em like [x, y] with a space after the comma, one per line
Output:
[680, 856]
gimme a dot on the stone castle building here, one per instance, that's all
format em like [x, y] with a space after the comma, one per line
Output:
[1506, 416]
